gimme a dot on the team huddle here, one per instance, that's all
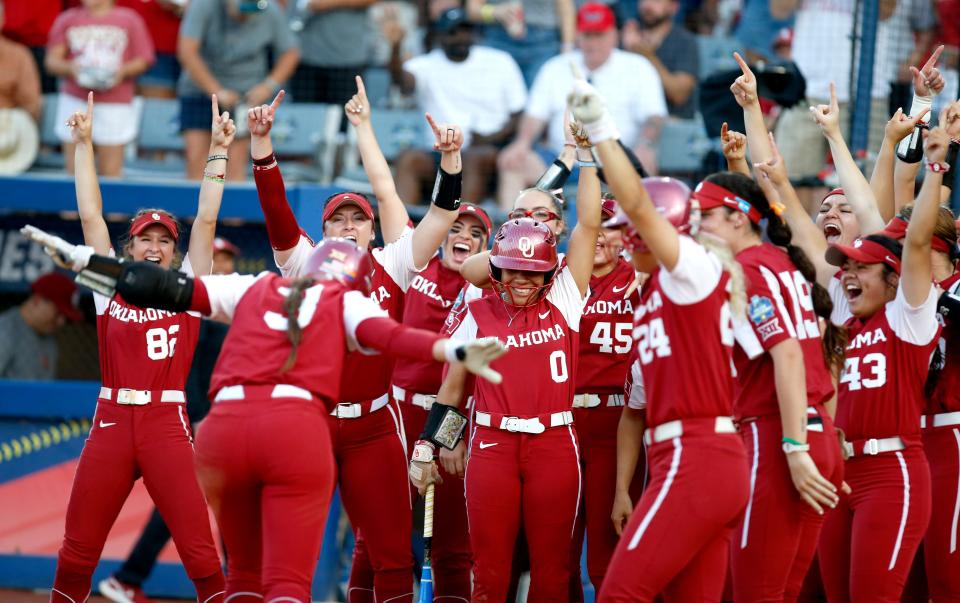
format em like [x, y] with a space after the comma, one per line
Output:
[707, 383]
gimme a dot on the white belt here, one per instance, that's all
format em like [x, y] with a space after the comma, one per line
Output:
[424, 401]
[595, 400]
[236, 392]
[139, 397]
[674, 429]
[943, 419]
[874, 446]
[814, 426]
[519, 425]
[354, 410]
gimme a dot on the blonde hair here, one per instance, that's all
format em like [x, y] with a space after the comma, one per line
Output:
[737, 285]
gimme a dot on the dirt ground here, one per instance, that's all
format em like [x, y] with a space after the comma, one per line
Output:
[26, 596]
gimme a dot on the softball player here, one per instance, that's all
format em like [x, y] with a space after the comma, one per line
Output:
[415, 385]
[367, 430]
[779, 396]
[524, 465]
[140, 427]
[684, 337]
[869, 542]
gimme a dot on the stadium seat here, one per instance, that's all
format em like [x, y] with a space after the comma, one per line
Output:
[682, 146]
[308, 130]
[159, 133]
[50, 156]
[396, 130]
[377, 82]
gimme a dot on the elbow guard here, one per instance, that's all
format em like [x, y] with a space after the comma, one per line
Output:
[147, 285]
[446, 190]
[554, 178]
[444, 426]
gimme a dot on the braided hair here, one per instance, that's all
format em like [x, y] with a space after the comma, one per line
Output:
[291, 305]
[834, 337]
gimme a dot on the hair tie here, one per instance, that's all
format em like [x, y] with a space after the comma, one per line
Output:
[778, 208]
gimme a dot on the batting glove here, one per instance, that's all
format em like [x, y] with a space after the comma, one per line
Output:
[589, 108]
[477, 355]
[65, 255]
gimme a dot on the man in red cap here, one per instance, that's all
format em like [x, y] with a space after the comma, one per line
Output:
[28, 347]
[629, 83]
[225, 256]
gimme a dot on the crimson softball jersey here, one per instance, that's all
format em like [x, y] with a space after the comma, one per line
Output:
[684, 334]
[607, 328]
[543, 344]
[145, 349]
[368, 377]
[258, 344]
[779, 307]
[428, 301]
[946, 394]
[880, 393]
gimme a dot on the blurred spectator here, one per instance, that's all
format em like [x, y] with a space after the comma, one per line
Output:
[335, 46]
[531, 31]
[480, 89]
[19, 79]
[224, 256]
[224, 48]
[949, 13]
[672, 51]
[822, 51]
[394, 20]
[28, 346]
[28, 22]
[629, 83]
[163, 20]
[103, 48]
[760, 28]
[904, 38]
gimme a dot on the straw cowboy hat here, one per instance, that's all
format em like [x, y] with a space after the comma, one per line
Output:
[19, 141]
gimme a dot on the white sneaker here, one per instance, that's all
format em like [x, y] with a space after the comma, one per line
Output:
[118, 592]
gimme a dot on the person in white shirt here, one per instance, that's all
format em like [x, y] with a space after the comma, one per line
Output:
[629, 83]
[457, 82]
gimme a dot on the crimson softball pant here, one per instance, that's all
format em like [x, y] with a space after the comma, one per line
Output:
[450, 554]
[371, 456]
[515, 479]
[126, 442]
[266, 466]
[597, 434]
[942, 446]
[773, 547]
[678, 538]
[869, 541]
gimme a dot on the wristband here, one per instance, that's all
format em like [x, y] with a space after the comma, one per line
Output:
[588, 164]
[423, 452]
[453, 352]
[446, 190]
[213, 176]
[555, 177]
[265, 163]
[787, 440]
[444, 426]
[919, 104]
[937, 167]
[215, 157]
[487, 13]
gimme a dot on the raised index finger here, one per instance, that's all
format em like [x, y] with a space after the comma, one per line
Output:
[277, 100]
[723, 131]
[932, 61]
[90, 104]
[433, 124]
[214, 106]
[743, 65]
[360, 88]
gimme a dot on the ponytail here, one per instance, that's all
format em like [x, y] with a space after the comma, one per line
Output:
[291, 305]
[834, 339]
[737, 286]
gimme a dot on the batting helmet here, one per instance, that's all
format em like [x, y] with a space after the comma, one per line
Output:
[343, 261]
[672, 199]
[523, 244]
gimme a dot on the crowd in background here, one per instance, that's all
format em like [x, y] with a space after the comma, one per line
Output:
[494, 67]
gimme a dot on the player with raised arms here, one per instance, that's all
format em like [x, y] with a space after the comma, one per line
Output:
[524, 460]
[140, 427]
[368, 438]
[264, 454]
[684, 338]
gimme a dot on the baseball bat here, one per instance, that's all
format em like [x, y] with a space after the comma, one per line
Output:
[426, 574]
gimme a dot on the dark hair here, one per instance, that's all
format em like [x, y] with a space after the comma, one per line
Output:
[834, 338]
[944, 229]
[559, 205]
[890, 244]
[127, 238]
[291, 306]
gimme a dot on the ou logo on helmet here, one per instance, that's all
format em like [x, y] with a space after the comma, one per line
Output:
[526, 247]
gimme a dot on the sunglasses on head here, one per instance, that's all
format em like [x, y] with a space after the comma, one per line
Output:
[539, 214]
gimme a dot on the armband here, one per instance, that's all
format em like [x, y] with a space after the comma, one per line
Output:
[446, 190]
[147, 285]
[555, 177]
[444, 427]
